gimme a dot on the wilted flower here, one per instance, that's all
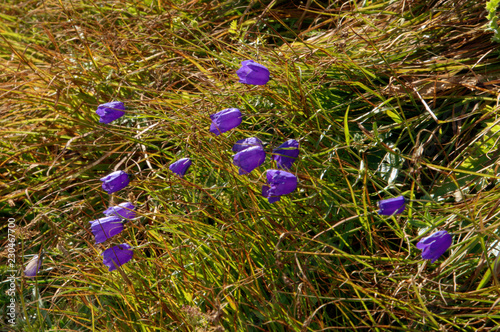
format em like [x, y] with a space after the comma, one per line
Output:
[115, 181]
[225, 120]
[280, 183]
[117, 256]
[246, 143]
[435, 245]
[391, 206]
[33, 266]
[286, 153]
[124, 210]
[110, 111]
[253, 73]
[249, 159]
[105, 228]
[181, 166]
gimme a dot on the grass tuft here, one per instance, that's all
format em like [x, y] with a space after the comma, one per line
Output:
[386, 98]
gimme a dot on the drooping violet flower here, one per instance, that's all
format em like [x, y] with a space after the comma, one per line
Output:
[105, 228]
[33, 266]
[245, 143]
[124, 210]
[249, 159]
[225, 120]
[253, 73]
[286, 153]
[279, 183]
[181, 166]
[391, 206]
[110, 111]
[115, 181]
[117, 256]
[435, 245]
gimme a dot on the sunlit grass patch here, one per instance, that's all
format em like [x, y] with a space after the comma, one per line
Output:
[385, 99]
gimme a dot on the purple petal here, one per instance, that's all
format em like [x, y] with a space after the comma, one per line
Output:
[274, 199]
[33, 266]
[435, 245]
[286, 153]
[391, 206]
[225, 120]
[118, 255]
[115, 181]
[245, 63]
[243, 72]
[109, 112]
[253, 73]
[249, 159]
[124, 210]
[265, 191]
[105, 228]
[281, 182]
[246, 143]
[181, 166]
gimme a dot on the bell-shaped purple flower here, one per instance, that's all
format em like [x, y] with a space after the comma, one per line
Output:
[245, 143]
[286, 153]
[253, 73]
[115, 181]
[124, 210]
[225, 120]
[435, 245]
[391, 206]
[279, 183]
[110, 111]
[249, 159]
[105, 228]
[117, 256]
[181, 166]
[33, 266]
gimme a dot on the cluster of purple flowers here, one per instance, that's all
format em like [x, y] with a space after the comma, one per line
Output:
[105, 228]
[113, 222]
[225, 120]
[432, 246]
[111, 225]
[115, 216]
[249, 154]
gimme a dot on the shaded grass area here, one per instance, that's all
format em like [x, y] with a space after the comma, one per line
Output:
[386, 99]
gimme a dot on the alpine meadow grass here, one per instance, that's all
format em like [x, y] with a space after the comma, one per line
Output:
[381, 100]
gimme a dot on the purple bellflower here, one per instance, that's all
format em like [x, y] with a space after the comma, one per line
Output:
[124, 210]
[435, 245]
[286, 153]
[249, 159]
[246, 143]
[391, 206]
[110, 111]
[253, 73]
[117, 256]
[115, 181]
[279, 183]
[181, 166]
[105, 228]
[225, 120]
[33, 266]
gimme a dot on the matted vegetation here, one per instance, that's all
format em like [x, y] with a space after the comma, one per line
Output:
[386, 98]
